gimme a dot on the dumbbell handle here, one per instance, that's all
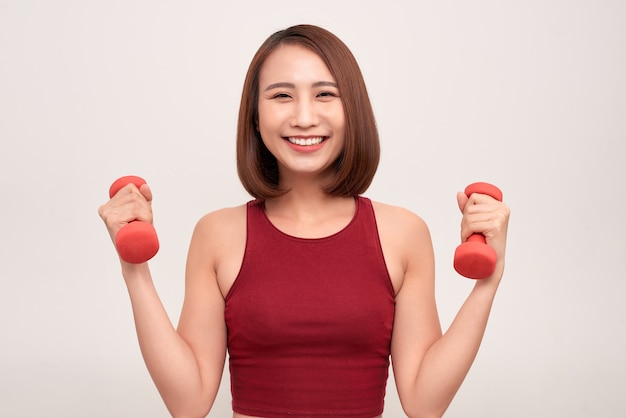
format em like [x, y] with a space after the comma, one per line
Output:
[474, 258]
[137, 241]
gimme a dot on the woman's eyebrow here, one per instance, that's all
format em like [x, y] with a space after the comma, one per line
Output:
[281, 85]
[325, 84]
[292, 86]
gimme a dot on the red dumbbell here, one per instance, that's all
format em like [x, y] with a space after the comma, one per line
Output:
[137, 241]
[474, 258]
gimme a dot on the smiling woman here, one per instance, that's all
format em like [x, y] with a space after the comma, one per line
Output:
[311, 287]
[301, 120]
[358, 161]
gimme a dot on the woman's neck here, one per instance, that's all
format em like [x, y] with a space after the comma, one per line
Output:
[310, 213]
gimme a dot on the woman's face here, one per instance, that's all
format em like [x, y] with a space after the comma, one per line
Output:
[301, 116]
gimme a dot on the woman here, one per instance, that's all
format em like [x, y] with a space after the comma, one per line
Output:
[311, 287]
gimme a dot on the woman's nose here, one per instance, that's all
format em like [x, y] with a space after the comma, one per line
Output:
[305, 114]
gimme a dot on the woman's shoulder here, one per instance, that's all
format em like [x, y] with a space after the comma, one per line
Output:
[397, 215]
[224, 214]
[404, 238]
[221, 225]
[218, 244]
[400, 225]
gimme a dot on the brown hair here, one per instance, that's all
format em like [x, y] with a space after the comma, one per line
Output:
[357, 163]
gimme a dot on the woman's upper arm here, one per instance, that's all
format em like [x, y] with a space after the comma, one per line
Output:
[201, 322]
[409, 253]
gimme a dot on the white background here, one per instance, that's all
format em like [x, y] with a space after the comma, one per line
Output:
[528, 95]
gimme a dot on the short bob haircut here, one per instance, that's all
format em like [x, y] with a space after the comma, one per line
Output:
[357, 163]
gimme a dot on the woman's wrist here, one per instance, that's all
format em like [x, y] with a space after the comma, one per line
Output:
[134, 272]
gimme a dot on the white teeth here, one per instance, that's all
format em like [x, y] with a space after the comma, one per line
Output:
[305, 142]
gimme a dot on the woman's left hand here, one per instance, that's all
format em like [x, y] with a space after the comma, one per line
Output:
[482, 214]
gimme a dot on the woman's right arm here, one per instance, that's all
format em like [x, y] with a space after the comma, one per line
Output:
[186, 365]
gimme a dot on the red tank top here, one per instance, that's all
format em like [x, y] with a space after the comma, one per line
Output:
[310, 320]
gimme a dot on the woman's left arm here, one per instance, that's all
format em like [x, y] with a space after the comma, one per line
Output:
[429, 367]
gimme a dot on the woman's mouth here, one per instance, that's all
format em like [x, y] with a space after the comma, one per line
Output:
[306, 142]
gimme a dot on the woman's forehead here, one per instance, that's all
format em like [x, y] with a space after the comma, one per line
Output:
[294, 64]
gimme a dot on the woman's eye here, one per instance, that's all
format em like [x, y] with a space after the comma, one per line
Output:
[281, 96]
[327, 94]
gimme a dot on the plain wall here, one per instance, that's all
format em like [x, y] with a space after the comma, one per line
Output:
[528, 95]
